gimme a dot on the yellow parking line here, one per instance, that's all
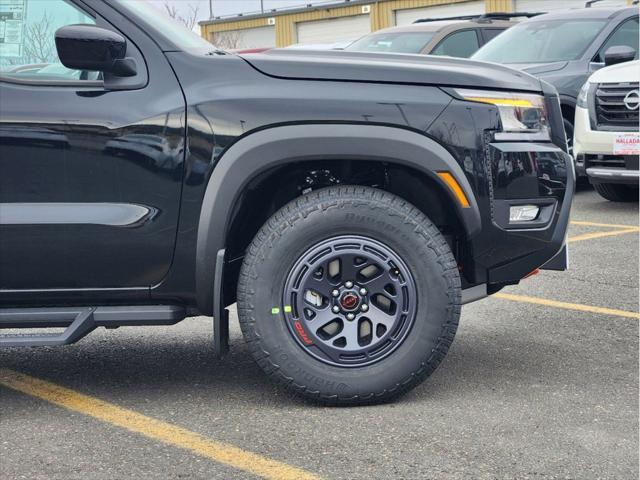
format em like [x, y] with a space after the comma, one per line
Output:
[613, 233]
[606, 225]
[152, 428]
[567, 306]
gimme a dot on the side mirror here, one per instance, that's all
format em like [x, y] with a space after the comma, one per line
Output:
[618, 54]
[87, 47]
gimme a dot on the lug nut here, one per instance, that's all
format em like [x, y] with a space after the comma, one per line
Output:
[350, 316]
[363, 291]
[348, 284]
[335, 292]
[364, 307]
[335, 309]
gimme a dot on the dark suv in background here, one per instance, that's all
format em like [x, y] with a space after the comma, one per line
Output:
[564, 48]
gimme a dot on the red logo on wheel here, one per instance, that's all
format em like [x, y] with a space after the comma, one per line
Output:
[302, 333]
[349, 301]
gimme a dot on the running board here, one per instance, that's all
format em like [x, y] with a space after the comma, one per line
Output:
[79, 322]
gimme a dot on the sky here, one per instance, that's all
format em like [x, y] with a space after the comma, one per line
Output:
[232, 7]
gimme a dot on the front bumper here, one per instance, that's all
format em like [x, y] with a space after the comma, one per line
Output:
[594, 155]
[613, 175]
[588, 141]
[541, 175]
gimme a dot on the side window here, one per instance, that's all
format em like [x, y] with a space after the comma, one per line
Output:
[459, 44]
[491, 33]
[625, 35]
[27, 40]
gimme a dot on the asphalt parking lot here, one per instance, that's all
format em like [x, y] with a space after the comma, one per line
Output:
[539, 383]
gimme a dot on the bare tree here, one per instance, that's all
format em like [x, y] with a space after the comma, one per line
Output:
[189, 21]
[227, 40]
[39, 41]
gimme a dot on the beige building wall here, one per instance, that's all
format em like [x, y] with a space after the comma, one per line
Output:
[381, 14]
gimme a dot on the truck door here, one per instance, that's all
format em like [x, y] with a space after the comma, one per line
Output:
[90, 174]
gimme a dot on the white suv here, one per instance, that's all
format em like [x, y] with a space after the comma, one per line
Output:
[606, 136]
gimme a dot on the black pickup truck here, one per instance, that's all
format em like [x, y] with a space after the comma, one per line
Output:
[350, 203]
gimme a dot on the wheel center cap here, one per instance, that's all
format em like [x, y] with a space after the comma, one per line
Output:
[349, 301]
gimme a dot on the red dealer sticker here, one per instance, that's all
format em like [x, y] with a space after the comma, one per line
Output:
[626, 144]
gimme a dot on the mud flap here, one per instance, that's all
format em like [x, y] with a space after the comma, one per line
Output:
[221, 314]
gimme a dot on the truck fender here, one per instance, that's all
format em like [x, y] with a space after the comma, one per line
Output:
[278, 145]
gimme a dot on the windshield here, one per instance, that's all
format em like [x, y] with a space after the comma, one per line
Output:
[180, 35]
[398, 42]
[541, 41]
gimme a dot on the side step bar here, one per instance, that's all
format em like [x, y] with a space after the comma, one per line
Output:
[80, 321]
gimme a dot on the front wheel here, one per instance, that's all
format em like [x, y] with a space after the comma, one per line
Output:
[349, 295]
[617, 192]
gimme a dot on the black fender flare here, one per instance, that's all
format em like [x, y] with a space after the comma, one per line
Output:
[270, 147]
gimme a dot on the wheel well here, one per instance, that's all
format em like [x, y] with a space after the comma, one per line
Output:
[568, 112]
[272, 189]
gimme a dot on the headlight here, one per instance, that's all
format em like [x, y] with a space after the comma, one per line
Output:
[520, 113]
[583, 96]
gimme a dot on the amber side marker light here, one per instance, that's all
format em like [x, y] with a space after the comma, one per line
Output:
[455, 187]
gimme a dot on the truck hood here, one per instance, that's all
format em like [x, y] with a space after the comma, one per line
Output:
[389, 68]
[622, 72]
[538, 68]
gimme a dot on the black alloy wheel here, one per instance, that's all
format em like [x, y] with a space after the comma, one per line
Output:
[353, 300]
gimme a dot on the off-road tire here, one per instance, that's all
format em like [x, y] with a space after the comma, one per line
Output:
[339, 211]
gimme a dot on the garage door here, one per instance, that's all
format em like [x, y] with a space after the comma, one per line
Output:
[549, 5]
[407, 17]
[246, 38]
[333, 30]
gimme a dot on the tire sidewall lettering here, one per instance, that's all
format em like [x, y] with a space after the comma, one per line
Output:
[294, 367]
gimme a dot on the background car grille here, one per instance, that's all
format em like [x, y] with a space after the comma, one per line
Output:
[610, 108]
[630, 162]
